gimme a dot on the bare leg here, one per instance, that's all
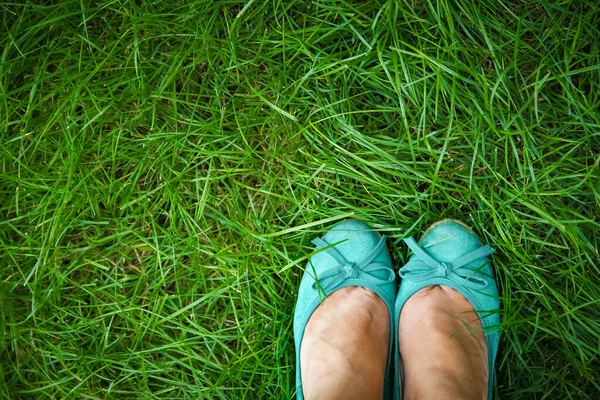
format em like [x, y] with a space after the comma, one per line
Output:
[344, 348]
[442, 346]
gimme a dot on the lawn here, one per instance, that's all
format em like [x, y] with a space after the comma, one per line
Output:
[165, 164]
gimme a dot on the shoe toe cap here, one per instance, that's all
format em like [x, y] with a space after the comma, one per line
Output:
[449, 240]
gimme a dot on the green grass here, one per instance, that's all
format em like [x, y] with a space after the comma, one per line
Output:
[164, 165]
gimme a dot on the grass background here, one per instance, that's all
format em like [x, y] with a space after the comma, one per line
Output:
[164, 165]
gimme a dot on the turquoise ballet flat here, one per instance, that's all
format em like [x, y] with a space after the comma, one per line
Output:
[450, 254]
[351, 254]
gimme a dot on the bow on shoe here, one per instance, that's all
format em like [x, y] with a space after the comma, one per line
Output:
[427, 267]
[334, 277]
